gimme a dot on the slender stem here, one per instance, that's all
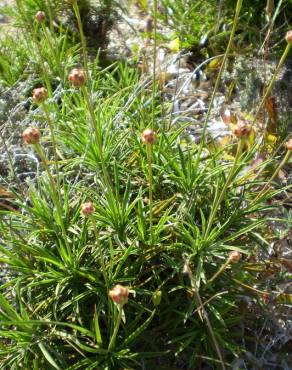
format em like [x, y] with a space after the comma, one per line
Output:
[222, 268]
[96, 233]
[82, 37]
[55, 197]
[221, 195]
[52, 127]
[154, 62]
[250, 287]
[116, 329]
[203, 312]
[42, 62]
[265, 188]
[48, 3]
[150, 181]
[53, 48]
[272, 82]
[217, 83]
[97, 134]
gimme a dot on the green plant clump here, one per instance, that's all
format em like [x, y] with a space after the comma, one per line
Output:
[129, 248]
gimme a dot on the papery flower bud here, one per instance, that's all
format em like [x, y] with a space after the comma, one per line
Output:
[289, 145]
[241, 129]
[40, 16]
[77, 77]
[148, 25]
[39, 95]
[235, 256]
[226, 116]
[148, 136]
[288, 37]
[31, 135]
[119, 294]
[87, 209]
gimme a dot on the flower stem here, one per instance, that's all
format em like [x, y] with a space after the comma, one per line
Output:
[272, 82]
[97, 134]
[154, 61]
[55, 197]
[82, 37]
[52, 127]
[96, 233]
[221, 195]
[116, 329]
[265, 188]
[150, 181]
[217, 83]
[222, 268]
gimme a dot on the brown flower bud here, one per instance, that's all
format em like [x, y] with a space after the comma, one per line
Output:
[148, 136]
[288, 37]
[241, 129]
[289, 145]
[148, 25]
[77, 77]
[119, 294]
[40, 16]
[234, 257]
[31, 135]
[39, 95]
[87, 209]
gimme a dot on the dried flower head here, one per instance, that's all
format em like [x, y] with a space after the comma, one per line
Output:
[234, 257]
[241, 129]
[39, 95]
[148, 136]
[40, 16]
[31, 135]
[77, 77]
[119, 294]
[87, 209]
[289, 145]
[288, 37]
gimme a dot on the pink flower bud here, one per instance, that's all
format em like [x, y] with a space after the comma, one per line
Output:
[241, 129]
[234, 257]
[77, 77]
[288, 37]
[31, 135]
[87, 209]
[226, 116]
[39, 95]
[289, 145]
[119, 294]
[148, 136]
[40, 16]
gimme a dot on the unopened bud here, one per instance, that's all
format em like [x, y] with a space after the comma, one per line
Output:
[39, 95]
[77, 77]
[241, 129]
[226, 116]
[87, 209]
[31, 135]
[156, 298]
[148, 136]
[288, 37]
[119, 294]
[40, 16]
[289, 145]
[234, 257]
[148, 25]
